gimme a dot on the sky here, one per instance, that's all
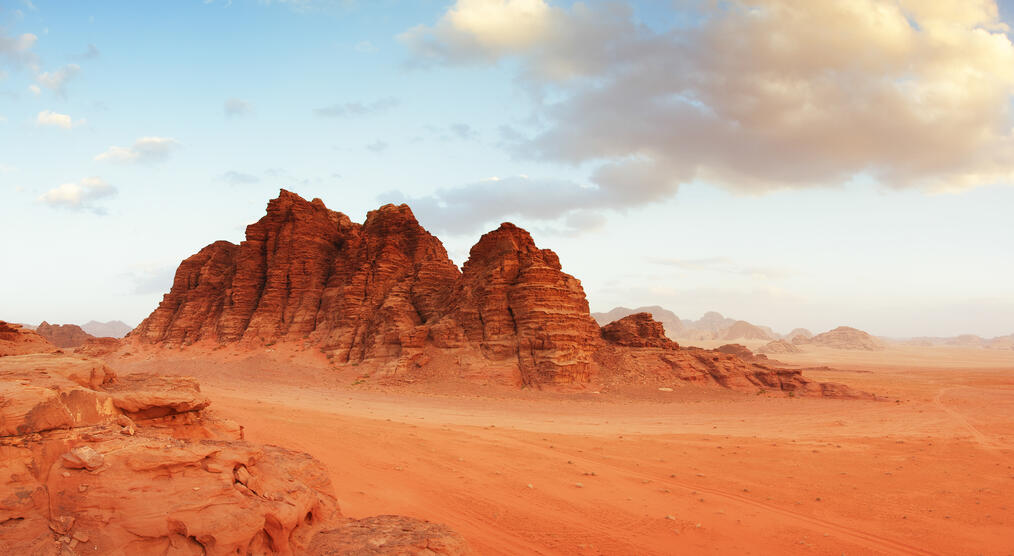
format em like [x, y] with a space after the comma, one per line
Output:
[793, 164]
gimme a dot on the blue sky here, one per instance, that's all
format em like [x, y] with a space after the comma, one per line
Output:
[668, 153]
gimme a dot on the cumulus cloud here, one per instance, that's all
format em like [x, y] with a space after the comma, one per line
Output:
[18, 50]
[57, 80]
[468, 208]
[144, 150]
[233, 177]
[81, 195]
[752, 95]
[50, 118]
[356, 108]
[234, 107]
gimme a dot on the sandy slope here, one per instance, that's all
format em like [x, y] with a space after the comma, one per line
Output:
[930, 472]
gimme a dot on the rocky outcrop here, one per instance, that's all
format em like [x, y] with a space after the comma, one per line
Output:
[637, 330]
[15, 339]
[844, 337]
[380, 292]
[741, 351]
[672, 323]
[308, 273]
[778, 346]
[103, 464]
[514, 302]
[384, 296]
[634, 356]
[63, 335]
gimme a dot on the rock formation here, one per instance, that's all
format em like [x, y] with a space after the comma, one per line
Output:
[18, 340]
[637, 330]
[801, 333]
[515, 303]
[63, 335]
[383, 295]
[111, 329]
[672, 323]
[778, 346]
[844, 337]
[741, 351]
[742, 330]
[623, 364]
[100, 464]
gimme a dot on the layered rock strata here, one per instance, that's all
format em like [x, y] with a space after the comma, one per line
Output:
[95, 463]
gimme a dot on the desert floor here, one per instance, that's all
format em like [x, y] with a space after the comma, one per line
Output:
[930, 470]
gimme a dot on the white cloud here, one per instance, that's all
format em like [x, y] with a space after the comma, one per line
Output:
[754, 94]
[365, 47]
[356, 108]
[144, 150]
[237, 107]
[469, 208]
[57, 80]
[18, 50]
[233, 177]
[50, 118]
[80, 195]
[35, 90]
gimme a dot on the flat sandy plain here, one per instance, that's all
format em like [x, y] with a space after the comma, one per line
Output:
[927, 470]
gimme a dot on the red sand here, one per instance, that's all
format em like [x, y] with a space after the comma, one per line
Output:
[929, 472]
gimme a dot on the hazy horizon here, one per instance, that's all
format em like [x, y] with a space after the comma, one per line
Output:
[814, 165]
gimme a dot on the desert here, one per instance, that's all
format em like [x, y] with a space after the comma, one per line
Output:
[484, 411]
[506, 277]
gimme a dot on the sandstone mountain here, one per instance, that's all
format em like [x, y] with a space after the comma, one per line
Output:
[16, 339]
[95, 463]
[111, 329]
[798, 333]
[844, 337]
[673, 325]
[778, 346]
[385, 297]
[742, 330]
[63, 335]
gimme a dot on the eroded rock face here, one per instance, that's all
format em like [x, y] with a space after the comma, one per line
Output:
[383, 295]
[381, 291]
[307, 273]
[95, 463]
[63, 335]
[637, 330]
[514, 302]
[18, 340]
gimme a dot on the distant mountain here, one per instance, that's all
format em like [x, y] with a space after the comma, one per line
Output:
[63, 335]
[844, 337]
[112, 329]
[798, 332]
[711, 321]
[742, 330]
[673, 325]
